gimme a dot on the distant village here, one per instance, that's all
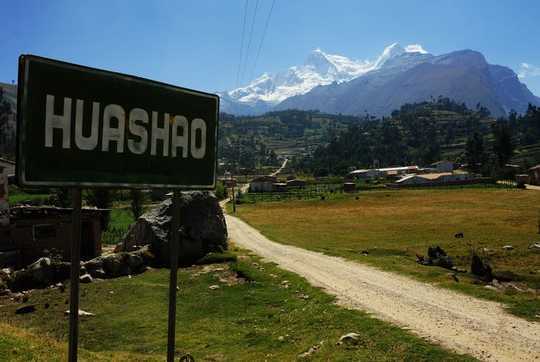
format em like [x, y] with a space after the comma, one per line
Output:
[441, 173]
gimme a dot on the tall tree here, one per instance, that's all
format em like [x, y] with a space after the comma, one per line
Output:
[475, 154]
[503, 147]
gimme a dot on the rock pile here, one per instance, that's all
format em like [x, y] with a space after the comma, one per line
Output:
[436, 256]
[146, 244]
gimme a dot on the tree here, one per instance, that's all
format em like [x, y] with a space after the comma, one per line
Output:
[100, 198]
[503, 147]
[474, 152]
[137, 199]
[7, 140]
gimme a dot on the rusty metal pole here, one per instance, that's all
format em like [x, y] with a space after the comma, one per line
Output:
[75, 271]
[174, 244]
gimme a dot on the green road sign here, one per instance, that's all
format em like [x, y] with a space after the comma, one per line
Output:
[79, 126]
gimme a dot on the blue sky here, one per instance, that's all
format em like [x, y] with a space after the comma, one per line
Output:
[196, 44]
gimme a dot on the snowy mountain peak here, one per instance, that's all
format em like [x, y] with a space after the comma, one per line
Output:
[319, 68]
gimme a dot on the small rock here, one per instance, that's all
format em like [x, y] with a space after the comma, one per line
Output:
[61, 287]
[86, 278]
[25, 309]
[364, 252]
[349, 338]
[535, 247]
[508, 247]
[281, 338]
[82, 313]
[213, 287]
[491, 287]
[453, 276]
[310, 351]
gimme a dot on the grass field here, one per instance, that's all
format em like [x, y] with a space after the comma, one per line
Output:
[252, 318]
[394, 225]
[119, 223]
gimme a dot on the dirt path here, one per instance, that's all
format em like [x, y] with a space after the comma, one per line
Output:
[459, 322]
[275, 173]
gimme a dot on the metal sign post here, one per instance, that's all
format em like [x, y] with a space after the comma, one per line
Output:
[83, 127]
[174, 242]
[75, 271]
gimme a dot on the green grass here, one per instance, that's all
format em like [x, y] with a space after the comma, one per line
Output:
[394, 225]
[17, 196]
[252, 321]
[120, 220]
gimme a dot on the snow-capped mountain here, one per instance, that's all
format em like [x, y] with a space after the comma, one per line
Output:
[336, 84]
[319, 68]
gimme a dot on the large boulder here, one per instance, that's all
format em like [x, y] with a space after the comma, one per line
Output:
[202, 224]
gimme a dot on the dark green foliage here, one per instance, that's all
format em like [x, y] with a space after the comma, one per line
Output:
[137, 200]
[100, 198]
[475, 155]
[221, 191]
[62, 197]
[503, 146]
[7, 137]
[415, 134]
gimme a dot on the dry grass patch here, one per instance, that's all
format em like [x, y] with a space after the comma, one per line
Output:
[394, 225]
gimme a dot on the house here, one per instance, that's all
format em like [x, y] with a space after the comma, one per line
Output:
[35, 230]
[296, 183]
[534, 175]
[522, 179]
[349, 187]
[365, 173]
[442, 166]
[279, 187]
[262, 184]
[441, 178]
[400, 170]
[383, 172]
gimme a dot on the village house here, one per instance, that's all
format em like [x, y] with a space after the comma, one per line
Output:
[296, 183]
[441, 178]
[279, 187]
[442, 166]
[34, 231]
[534, 175]
[262, 184]
[383, 172]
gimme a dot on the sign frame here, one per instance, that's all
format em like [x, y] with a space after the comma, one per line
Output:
[22, 120]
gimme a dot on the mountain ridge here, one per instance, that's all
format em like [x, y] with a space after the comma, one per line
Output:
[378, 87]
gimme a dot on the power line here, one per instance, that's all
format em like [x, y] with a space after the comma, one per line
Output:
[250, 38]
[242, 44]
[262, 38]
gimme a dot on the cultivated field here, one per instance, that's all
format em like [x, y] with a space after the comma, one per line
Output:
[387, 229]
[258, 312]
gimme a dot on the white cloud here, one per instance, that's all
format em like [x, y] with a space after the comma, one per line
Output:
[415, 48]
[528, 70]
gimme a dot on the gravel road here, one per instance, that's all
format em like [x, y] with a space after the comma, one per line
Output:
[459, 322]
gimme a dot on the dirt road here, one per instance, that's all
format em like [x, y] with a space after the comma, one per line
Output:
[459, 322]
